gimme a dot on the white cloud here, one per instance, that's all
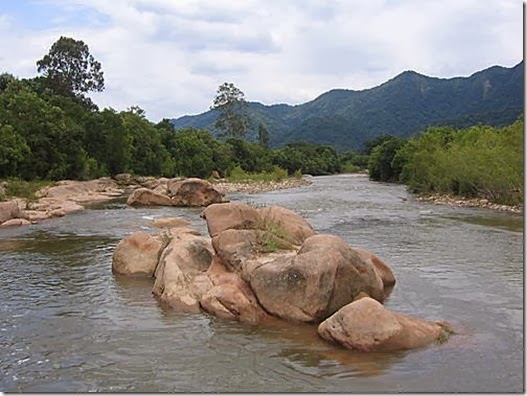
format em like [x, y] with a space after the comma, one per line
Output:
[170, 56]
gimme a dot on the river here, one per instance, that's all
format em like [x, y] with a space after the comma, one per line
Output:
[67, 324]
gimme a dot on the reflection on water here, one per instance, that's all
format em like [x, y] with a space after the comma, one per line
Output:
[67, 324]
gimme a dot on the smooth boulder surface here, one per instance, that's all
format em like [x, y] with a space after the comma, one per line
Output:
[365, 325]
[230, 216]
[138, 254]
[147, 197]
[193, 192]
[183, 259]
[322, 277]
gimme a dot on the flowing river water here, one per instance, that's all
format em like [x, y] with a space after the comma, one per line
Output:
[67, 324]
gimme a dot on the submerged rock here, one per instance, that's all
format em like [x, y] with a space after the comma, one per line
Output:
[365, 325]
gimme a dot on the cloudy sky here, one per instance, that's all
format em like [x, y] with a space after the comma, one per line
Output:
[169, 56]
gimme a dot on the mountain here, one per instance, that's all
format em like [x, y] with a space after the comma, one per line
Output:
[402, 106]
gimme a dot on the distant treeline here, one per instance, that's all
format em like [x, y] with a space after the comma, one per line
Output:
[50, 130]
[479, 161]
[48, 136]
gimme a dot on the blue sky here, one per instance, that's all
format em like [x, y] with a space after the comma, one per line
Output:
[169, 56]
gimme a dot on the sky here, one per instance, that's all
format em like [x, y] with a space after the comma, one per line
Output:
[169, 56]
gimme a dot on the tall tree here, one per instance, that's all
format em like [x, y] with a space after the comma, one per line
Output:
[263, 136]
[70, 69]
[233, 120]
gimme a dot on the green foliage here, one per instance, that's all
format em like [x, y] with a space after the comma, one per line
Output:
[308, 158]
[232, 120]
[70, 69]
[380, 161]
[263, 136]
[237, 175]
[480, 161]
[24, 189]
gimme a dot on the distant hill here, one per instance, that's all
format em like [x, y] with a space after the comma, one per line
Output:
[402, 106]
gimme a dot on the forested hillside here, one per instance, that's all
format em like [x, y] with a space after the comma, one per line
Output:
[402, 106]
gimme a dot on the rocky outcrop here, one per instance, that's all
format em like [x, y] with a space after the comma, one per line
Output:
[138, 254]
[366, 325]
[194, 192]
[146, 197]
[267, 264]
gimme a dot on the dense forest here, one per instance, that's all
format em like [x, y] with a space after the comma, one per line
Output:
[51, 130]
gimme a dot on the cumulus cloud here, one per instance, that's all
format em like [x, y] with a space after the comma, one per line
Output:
[169, 57]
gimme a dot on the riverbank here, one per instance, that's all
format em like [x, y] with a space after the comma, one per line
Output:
[69, 196]
[463, 202]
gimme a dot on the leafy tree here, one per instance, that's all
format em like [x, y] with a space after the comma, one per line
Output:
[70, 69]
[13, 151]
[263, 136]
[5, 79]
[233, 120]
[380, 160]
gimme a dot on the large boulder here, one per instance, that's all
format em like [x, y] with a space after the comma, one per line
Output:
[309, 286]
[285, 224]
[365, 325]
[184, 258]
[230, 216]
[230, 297]
[146, 197]
[138, 254]
[10, 210]
[194, 192]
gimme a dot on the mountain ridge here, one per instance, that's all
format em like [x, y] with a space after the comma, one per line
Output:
[402, 106]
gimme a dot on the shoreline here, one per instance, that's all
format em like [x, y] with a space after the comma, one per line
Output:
[68, 196]
[463, 202]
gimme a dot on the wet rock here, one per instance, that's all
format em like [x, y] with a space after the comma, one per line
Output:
[227, 216]
[138, 254]
[365, 325]
[184, 258]
[194, 192]
[144, 196]
[322, 277]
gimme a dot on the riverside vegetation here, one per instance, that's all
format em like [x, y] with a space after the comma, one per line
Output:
[50, 130]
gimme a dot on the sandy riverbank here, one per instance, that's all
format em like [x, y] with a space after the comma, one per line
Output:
[463, 202]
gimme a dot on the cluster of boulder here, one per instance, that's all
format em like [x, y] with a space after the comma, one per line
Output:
[177, 192]
[263, 264]
[68, 196]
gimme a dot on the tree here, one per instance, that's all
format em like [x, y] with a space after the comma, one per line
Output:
[263, 136]
[70, 69]
[232, 120]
